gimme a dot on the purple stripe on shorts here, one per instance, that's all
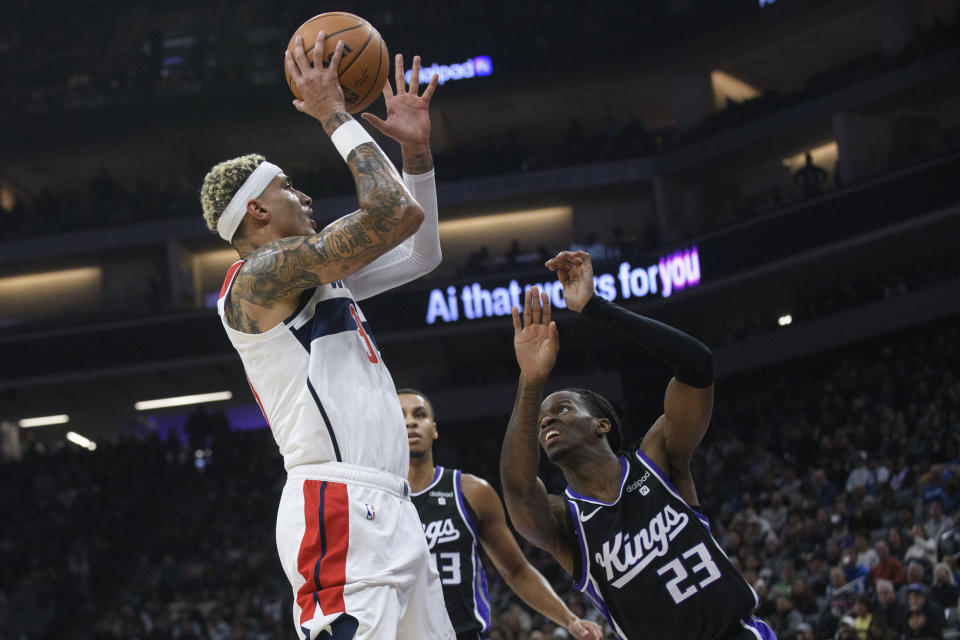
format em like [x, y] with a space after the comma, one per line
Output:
[761, 627]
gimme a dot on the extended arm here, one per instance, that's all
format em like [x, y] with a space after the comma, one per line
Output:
[537, 516]
[520, 575]
[408, 122]
[688, 402]
[388, 213]
[416, 256]
[690, 359]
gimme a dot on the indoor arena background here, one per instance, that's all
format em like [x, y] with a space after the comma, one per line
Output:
[668, 138]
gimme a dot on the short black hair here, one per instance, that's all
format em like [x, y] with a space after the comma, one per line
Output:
[600, 407]
[413, 392]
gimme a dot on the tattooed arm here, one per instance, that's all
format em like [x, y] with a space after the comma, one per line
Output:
[267, 288]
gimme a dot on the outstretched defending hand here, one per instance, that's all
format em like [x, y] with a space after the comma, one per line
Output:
[536, 340]
[408, 116]
[584, 630]
[575, 272]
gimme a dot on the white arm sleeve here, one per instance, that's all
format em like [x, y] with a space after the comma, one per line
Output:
[416, 256]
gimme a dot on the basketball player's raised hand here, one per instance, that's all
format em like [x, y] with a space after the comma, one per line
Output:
[408, 116]
[584, 630]
[318, 83]
[575, 272]
[535, 340]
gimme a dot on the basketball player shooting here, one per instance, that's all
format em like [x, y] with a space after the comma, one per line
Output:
[348, 535]
[627, 527]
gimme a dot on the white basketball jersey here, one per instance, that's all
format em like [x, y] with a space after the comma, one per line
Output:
[322, 385]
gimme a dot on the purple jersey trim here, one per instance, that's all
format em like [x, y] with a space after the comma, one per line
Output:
[481, 597]
[580, 581]
[759, 627]
[463, 510]
[436, 478]
[601, 606]
[624, 469]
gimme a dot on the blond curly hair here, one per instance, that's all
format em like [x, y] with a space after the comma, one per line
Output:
[222, 182]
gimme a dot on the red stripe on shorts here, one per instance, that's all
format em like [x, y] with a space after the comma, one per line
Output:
[322, 560]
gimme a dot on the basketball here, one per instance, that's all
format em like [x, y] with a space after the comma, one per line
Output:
[365, 63]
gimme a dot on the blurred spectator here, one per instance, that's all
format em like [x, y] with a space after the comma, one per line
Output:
[776, 512]
[838, 600]
[854, 572]
[847, 630]
[887, 608]
[802, 600]
[944, 592]
[922, 547]
[859, 474]
[937, 523]
[924, 620]
[880, 630]
[804, 632]
[825, 490]
[888, 566]
[861, 615]
[865, 555]
[895, 544]
[787, 618]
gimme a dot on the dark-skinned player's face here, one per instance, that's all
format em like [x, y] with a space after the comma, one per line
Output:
[289, 209]
[421, 428]
[565, 425]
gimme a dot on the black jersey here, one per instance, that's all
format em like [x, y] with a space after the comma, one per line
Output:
[649, 563]
[451, 529]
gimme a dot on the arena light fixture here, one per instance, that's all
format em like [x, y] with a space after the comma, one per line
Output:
[81, 441]
[784, 320]
[729, 87]
[44, 421]
[180, 401]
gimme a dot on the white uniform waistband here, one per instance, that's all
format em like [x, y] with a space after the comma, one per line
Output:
[352, 474]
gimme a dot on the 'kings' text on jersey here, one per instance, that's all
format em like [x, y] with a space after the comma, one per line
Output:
[650, 564]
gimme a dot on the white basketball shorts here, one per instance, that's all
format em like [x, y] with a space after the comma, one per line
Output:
[352, 546]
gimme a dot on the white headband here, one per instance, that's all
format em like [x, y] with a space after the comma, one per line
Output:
[258, 181]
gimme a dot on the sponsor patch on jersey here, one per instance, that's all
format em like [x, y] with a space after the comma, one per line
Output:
[639, 484]
[441, 496]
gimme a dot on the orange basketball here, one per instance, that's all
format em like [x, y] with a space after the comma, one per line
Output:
[365, 63]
